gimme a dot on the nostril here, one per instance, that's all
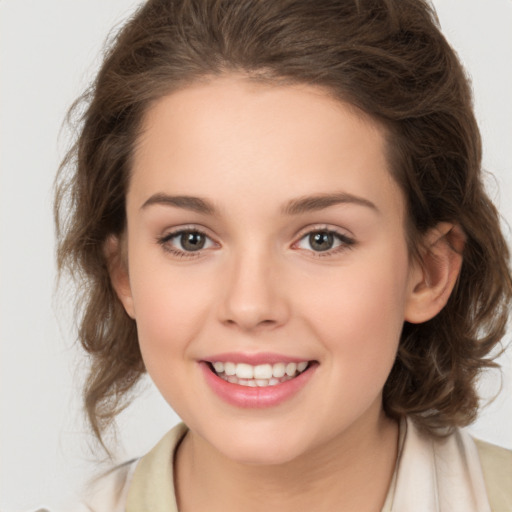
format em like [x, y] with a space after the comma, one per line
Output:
[250, 324]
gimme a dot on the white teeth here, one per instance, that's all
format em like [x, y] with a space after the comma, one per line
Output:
[263, 371]
[261, 375]
[244, 371]
[302, 366]
[219, 367]
[278, 370]
[253, 383]
[291, 368]
[229, 368]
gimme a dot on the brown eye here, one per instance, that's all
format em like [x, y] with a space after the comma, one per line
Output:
[192, 240]
[186, 242]
[325, 241]
[321, 240]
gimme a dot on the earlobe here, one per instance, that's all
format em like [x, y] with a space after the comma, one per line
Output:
[118, 270]
[432, 280]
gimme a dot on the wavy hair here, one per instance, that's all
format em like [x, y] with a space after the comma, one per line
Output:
[388, 58]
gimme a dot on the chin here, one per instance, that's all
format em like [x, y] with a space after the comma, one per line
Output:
[261, 455]
[261, 449]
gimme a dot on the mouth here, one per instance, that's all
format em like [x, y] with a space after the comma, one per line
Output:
[267, 382]
[258, 376]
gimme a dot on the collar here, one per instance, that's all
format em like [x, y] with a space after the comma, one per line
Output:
[438, 474]
[431, 475]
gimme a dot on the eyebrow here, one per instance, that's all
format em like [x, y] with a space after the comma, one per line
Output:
[321, 201]
[195, 204]
[293, 207]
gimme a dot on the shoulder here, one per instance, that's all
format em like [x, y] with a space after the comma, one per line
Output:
[449, 472]
[104, 493]
[140, 484]
[496, 465]
[108, 491]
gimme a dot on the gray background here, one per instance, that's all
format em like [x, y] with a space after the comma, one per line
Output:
[49, 50]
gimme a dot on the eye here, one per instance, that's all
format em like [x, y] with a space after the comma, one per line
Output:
[185, 242]
[324, 240]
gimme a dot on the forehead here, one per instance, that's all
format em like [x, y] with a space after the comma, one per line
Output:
[259, 140]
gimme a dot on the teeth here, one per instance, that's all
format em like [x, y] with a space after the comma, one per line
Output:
[229, 368]
[244, 371]
[278, 370]
[219, 367]
[253, 383]
[261, 375]
[302, 366]
[291, 368]
[263, 371]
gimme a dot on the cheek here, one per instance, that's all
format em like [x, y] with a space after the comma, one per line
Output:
[171, 306]
[359, 316]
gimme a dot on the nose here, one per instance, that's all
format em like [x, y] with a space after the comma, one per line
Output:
[254, 297]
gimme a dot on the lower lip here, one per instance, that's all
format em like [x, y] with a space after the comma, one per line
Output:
[259, 397]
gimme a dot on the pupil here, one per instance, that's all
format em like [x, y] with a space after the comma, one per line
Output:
[192, 241]
[321, 241]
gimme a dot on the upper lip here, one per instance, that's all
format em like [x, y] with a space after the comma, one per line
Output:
[254, 359]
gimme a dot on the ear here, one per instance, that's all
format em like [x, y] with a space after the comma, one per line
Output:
[115, 253]
[433, 278]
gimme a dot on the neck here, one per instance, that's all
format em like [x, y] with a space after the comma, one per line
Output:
[350, 472]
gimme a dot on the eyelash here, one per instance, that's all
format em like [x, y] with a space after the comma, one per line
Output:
[345, 242]
[164, 242]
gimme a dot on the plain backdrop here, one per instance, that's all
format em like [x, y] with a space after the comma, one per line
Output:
[49, 52]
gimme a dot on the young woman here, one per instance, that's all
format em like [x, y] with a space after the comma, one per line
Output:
[276, 210]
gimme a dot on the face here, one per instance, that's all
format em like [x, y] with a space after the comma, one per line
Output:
[268, 269]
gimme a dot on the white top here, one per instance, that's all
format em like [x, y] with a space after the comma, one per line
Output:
[453, 474]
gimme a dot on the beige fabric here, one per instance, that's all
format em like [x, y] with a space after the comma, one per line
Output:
[497, 469]
[153, 481]
[432, 476]
[439, 475]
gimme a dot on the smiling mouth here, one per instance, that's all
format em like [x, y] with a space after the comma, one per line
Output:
[261, 375]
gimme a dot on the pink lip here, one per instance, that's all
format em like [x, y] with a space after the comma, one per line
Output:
[253, 359]
[260, 397]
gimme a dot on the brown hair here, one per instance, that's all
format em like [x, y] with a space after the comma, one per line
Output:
[388, 58]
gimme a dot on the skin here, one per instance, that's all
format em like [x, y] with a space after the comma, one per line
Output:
[258, 285]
